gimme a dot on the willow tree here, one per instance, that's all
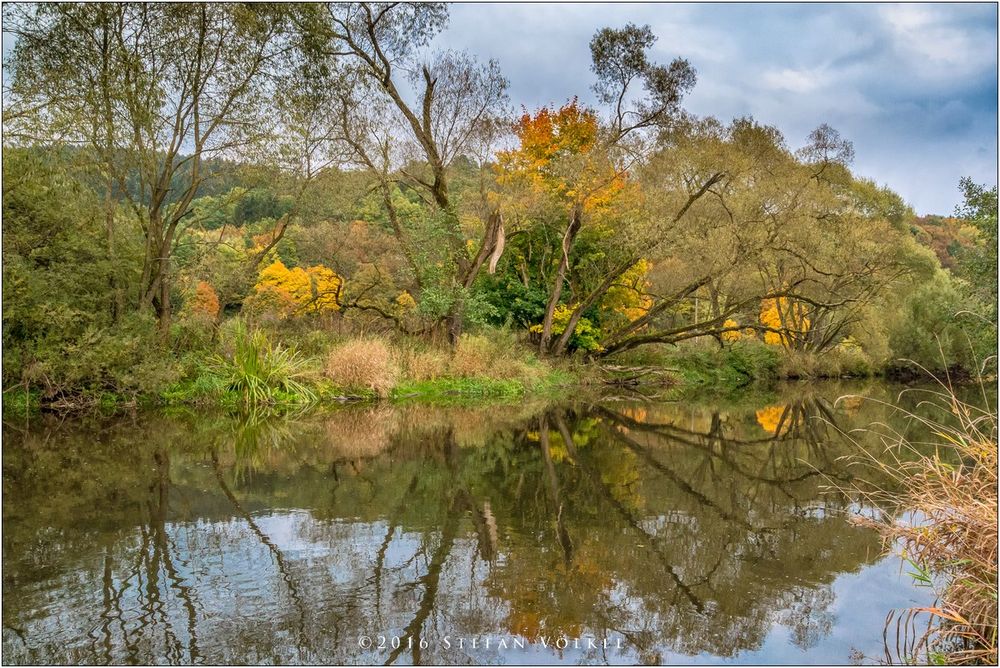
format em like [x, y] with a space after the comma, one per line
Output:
[150, 91]
[788, 245]
[442, 106]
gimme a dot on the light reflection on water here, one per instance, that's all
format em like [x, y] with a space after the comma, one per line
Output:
[679, 532]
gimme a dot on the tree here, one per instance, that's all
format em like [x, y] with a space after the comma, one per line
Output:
[456, 100]
[559, 158]
[571, 156]
[795, 234]
[287, 293]
[151, 91]
[979, 209]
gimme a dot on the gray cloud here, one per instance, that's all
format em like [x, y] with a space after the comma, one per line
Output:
[914, 86]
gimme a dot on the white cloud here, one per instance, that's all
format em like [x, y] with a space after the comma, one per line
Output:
[941, 49]
[796, 81]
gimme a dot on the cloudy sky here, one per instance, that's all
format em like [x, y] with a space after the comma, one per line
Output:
[914, 86]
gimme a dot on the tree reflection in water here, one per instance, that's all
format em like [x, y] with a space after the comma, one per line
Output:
[694, 530]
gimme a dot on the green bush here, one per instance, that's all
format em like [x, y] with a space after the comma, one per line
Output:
[942, 325]
[126, 359]
[738, 365]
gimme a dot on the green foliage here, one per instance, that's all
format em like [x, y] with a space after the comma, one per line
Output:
[979, 264]
[260, 203]
[513, 302]
[939, 328]
[19, 402]
[260, 372]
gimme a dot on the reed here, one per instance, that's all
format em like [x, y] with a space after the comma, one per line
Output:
[940, 513]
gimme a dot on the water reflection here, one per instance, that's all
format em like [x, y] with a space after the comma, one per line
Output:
[654, 530]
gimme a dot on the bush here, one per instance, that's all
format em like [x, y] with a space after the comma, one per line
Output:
[127, 359]
[754, 359]
[366, 364]
[941, 321]
[741, 364]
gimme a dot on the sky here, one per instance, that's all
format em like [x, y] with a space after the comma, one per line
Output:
[913, 86]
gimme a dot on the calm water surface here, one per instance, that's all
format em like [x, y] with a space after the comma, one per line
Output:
[617, 532]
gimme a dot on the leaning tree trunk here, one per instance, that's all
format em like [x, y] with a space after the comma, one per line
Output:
[569, 237]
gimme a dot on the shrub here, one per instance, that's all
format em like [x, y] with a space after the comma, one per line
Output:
[126, 359]
[754, 359]
[940, 322]
[366, 364]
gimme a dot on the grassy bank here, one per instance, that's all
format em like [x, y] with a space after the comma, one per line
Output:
[254, 366]
[282, 365]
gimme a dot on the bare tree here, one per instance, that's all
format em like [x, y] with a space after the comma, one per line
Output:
[453, 102]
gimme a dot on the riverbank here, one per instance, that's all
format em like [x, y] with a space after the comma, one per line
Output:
[259, 368]
[285, 370]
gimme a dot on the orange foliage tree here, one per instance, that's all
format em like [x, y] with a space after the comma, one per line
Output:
[561, 161]
[204, 303]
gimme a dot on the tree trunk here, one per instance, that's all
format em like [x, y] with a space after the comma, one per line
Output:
[557, 285]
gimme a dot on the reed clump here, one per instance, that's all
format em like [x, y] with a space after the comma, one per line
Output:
[940, 512]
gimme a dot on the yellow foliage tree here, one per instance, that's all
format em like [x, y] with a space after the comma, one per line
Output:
[786, 315]
[324, 285]
[735, 335]
[628, 295]
[288, 292]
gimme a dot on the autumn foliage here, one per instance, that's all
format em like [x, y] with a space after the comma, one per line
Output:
[286, 293]
[786, 315]
[556, 156]
[205, 302]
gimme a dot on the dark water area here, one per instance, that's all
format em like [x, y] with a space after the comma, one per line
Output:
[615, 532]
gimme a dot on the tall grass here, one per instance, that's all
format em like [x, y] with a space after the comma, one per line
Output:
[944, 524]
[261, 372]
[363, 364]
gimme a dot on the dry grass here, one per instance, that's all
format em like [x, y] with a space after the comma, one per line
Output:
[834, 363]
[420, 365]
[380, 366]
[499, 358]
[945, 525]
[363, 364]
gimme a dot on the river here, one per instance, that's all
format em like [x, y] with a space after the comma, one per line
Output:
[622, 531]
